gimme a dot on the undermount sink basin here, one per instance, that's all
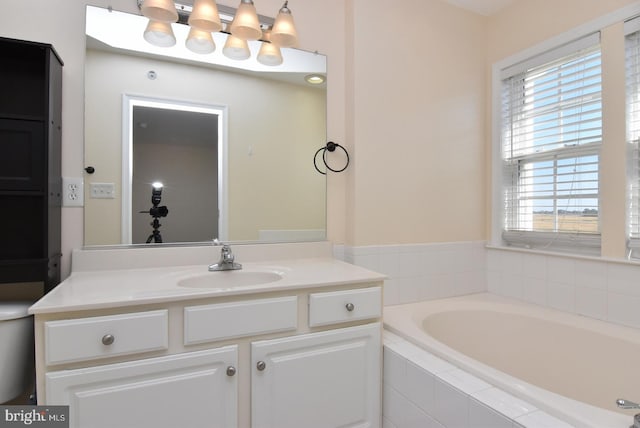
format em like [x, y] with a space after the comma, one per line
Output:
[229, 279]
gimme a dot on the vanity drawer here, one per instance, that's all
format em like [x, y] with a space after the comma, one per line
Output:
[343, 306]
[208, 323]
[99, 337]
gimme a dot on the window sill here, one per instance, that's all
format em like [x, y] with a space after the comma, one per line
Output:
[575, 256]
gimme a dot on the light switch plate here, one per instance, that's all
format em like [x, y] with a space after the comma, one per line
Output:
[103, 190]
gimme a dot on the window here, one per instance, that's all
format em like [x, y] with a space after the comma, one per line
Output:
[550, 142]
[632, 48]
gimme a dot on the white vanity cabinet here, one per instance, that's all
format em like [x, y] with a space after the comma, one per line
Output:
[196, 389]
[306, 356]
[317, 380]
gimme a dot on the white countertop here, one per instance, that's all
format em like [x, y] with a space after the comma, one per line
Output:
[112, 288]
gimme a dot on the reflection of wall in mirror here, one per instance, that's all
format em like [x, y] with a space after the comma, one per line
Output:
[190, 197]
[271, 180]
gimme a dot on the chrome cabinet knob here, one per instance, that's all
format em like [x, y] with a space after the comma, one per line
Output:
[261, 365]
[108, 339]
[231, 371]
[350, 307]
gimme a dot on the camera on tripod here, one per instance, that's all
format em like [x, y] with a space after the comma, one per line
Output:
[156, 212]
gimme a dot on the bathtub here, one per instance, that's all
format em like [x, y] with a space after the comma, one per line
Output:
[569, 366]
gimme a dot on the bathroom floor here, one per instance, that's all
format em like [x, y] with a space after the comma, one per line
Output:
[24, 398]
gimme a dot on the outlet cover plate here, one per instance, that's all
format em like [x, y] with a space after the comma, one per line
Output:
[72, 192]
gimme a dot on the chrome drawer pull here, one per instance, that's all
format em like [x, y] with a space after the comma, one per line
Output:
[231, 371]
[261, 365]
[108, 339]
[350, 307]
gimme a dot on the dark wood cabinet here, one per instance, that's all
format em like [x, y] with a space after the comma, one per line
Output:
[30, 162]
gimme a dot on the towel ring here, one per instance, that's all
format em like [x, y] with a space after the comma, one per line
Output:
[331, 147]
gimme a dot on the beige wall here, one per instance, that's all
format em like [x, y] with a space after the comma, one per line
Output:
[526, 25]
[416, 123]
[189, 197]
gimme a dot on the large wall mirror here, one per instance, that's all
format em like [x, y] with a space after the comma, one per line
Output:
[231, 143]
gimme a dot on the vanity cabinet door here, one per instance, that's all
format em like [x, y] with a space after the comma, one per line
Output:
[324, 380]
[196, 389]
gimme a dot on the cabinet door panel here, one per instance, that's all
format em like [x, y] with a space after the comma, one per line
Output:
[23, 155]
[185, 390]
[327, 379]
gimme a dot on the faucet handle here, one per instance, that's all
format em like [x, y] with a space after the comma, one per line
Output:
[626, 404]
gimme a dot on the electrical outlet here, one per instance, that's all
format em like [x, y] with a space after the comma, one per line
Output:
[72, 192]
[103, 190]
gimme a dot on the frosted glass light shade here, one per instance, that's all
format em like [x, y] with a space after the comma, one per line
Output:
[269, 54]
[205, 17]
[245, 24]
[160, 10]
[236, 48]
[200, 42]
[284, 32]
[159, 34]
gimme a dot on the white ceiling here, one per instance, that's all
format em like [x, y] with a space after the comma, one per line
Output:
[483, 7]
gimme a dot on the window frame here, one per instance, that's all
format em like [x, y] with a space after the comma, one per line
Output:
[632, 135]
[502, 234]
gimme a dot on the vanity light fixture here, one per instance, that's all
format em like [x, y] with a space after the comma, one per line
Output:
[160, 10]
[236, 48]
[245, 24]
[284, 32]
[160, 34]
[205, 16]
[200, 41]
[269, 53]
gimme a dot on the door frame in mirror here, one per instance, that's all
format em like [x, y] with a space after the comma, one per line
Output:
[129, 101]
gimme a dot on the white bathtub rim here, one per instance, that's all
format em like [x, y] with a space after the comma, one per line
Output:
[572, 411]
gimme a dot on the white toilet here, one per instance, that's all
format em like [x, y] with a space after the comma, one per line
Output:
[16, 349]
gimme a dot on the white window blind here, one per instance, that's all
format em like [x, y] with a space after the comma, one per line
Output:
[632, 48]
[551, 137]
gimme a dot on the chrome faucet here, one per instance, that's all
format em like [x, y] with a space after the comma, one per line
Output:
[227, 259]
[626, 404]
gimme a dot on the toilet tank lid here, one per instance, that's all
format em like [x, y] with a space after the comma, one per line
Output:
[14, 310]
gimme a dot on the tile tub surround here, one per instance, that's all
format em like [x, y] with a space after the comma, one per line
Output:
[594, 287]
[597, 288]
[422, 390]
[419, 272]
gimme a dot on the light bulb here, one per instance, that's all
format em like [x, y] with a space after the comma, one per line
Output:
[314, 79]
